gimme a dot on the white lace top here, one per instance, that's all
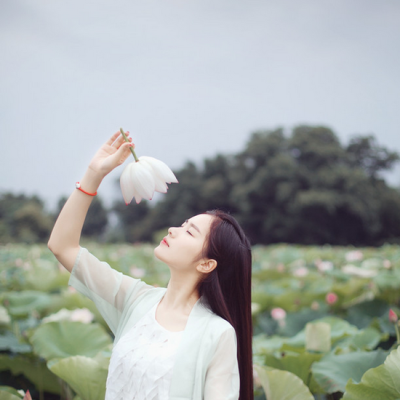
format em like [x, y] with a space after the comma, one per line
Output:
[142, 362]
[206, 365]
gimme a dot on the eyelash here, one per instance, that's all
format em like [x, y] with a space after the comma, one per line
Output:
[186, 231]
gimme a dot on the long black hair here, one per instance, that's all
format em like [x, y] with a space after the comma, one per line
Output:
[227, 289]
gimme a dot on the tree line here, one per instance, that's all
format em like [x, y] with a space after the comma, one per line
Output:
[303, 187]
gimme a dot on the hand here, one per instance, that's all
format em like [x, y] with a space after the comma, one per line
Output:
[113, 153]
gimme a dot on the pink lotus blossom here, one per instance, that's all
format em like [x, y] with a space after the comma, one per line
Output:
[355, 255]
[393, 318]
[281, 268]
[315, 305]
[301, 272]
[278, 314]
[19, 262]
[387, 264]
[137, 272]
[324, 265]
[331, 298]
[27, 396]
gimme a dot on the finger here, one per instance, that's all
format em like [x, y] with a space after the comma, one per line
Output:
[120, 141]
[112, 138]
[123, 152]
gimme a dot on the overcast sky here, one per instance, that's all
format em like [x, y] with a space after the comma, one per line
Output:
[187, 78]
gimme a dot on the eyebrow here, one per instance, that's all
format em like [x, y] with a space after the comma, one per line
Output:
[193, 225]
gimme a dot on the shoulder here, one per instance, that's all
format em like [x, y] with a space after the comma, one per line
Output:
[218, 326]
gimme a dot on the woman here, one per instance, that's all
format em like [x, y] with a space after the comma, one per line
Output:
[191, 340]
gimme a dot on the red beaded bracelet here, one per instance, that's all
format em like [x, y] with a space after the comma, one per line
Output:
[78, 186]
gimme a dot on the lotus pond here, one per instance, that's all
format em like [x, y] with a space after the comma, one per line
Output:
[321, 322]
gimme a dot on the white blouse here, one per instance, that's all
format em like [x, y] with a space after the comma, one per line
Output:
[142, 362]
[206, 365]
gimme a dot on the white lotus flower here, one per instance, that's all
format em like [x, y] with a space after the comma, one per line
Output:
[357, 271]
[143, 177]
[80, 314]
[140, 179]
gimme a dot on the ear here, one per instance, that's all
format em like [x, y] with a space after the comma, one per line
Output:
[207, 266]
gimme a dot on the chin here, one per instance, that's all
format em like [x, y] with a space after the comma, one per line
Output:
[157, 252]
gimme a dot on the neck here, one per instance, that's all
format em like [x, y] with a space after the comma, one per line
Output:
[182, 292]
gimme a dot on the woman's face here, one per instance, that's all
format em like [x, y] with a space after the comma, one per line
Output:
[181, 249]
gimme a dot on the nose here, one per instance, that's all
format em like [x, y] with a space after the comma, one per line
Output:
[172, 231]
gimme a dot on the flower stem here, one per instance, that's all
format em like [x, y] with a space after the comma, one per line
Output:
[397, 333]
[127, 140]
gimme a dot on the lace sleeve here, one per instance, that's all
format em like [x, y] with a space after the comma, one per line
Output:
[222, 378]
[109, 289]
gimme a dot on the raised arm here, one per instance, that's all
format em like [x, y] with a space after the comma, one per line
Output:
[65, 236]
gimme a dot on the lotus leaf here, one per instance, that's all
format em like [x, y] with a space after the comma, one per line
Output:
[35, 370]
[377, 383]
[339, 330]
[5, 395]
[66, 338]
[11, 390]
[362, 314]
[282, 385]
[45, 276]
[86, 376]
[366, 339]
[10, 342]
[333, 371]
[318, 336]
[299, 364]
[295, 322]
[22, 303]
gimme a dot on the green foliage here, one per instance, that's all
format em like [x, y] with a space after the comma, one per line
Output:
[67, 338]
[333, 371]
[302, 187]
[133, 226]
[7, 395]
[9, 389]
[34, 369]
[315, 348]
[94, 371]
[24, 302]
[305, 188]
[377, 383]
[282, 385]
[23, 219]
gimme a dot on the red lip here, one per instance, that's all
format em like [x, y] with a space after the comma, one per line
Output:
[165, 242]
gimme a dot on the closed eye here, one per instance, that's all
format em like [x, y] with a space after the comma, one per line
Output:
[189, 233]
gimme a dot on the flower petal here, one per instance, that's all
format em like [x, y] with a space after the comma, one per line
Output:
[143, 181]
[159, 183]
[127, 188]
[160, 169]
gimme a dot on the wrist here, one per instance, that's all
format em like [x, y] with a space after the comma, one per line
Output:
[91, 181]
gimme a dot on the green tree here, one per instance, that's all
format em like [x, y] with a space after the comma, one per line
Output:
[364, 152]
[304, 187]
[133, 222]
[23, 219]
